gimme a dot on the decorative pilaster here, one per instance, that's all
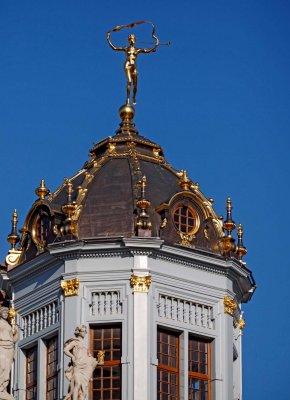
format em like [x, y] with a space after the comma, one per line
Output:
[140, 282]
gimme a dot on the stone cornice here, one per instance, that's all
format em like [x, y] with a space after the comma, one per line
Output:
[128, 247]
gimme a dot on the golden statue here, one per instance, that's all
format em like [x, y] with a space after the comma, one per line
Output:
[131, 56]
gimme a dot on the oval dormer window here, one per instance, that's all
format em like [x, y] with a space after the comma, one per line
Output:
[41, 228]
[185, 219]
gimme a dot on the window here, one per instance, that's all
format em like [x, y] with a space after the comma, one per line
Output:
[51, 369]
[185, 219]
[168, 365]
[106, 383]
[42, 228]
[31, 374]
[198, 369]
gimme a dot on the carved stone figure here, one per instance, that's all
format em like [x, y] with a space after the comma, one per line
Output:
[8, 338]
[81, 366]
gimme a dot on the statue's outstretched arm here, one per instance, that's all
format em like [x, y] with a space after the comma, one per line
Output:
[112, 45]
[152, 49]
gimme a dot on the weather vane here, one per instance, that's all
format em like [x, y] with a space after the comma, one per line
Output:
[132, 52]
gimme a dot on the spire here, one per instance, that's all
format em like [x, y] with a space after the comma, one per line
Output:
[68, 209]
[228, 242]
[13, 257]
[241, 249]
[143, 224]
[229, 225]
[13, 238]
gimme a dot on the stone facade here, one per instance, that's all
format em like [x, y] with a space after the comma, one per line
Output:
[173, 288]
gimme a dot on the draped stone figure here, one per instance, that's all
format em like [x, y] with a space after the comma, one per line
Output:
[81, 366]
[8, 338]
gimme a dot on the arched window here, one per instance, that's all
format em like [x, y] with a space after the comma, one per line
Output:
[185, 219]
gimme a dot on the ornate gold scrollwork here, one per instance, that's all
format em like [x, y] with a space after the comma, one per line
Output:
[140, 283]
[70, 287]
[186, 239]
[13, 257]
[229, 305]
[242, 324]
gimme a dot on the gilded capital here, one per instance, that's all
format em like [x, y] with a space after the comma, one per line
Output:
[70, 287]
[140, 283]
[229, 305]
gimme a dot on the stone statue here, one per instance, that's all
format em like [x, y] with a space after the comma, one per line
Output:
[81, 366]
[131, 56]
[8, 338]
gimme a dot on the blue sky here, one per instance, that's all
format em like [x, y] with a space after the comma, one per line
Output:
[217, 99]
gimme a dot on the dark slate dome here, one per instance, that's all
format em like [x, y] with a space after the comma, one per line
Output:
[126, 189]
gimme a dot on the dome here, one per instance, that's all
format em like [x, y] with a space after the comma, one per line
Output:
[126, 189]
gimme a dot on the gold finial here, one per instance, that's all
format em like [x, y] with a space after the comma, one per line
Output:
[13, 257]
[143, 204]
[13, 238]
[132, 53]
[241, 249]
[143, 187]
[69, 209]
[184, 181]
[229, 225]
[42, 190]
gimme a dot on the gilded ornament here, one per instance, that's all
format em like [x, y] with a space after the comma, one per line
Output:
[184, 181]
[186, 239]
[242, 324]
[241, 250]
[229, 305]
[70, 287]
[229, 225]
[13, 257]
[111, 148]
[42, 190]
[140, 283]
[156, 152]
[11, 315]
[132, 53]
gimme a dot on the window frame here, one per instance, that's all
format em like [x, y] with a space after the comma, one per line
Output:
[55, 374]
[33, 385]
[107, 363]
[165, 367]
[178, 225]
[206, 377]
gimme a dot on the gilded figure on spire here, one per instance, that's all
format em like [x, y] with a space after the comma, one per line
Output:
[132, 52]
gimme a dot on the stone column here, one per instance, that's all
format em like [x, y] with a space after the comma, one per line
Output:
[140, 282]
